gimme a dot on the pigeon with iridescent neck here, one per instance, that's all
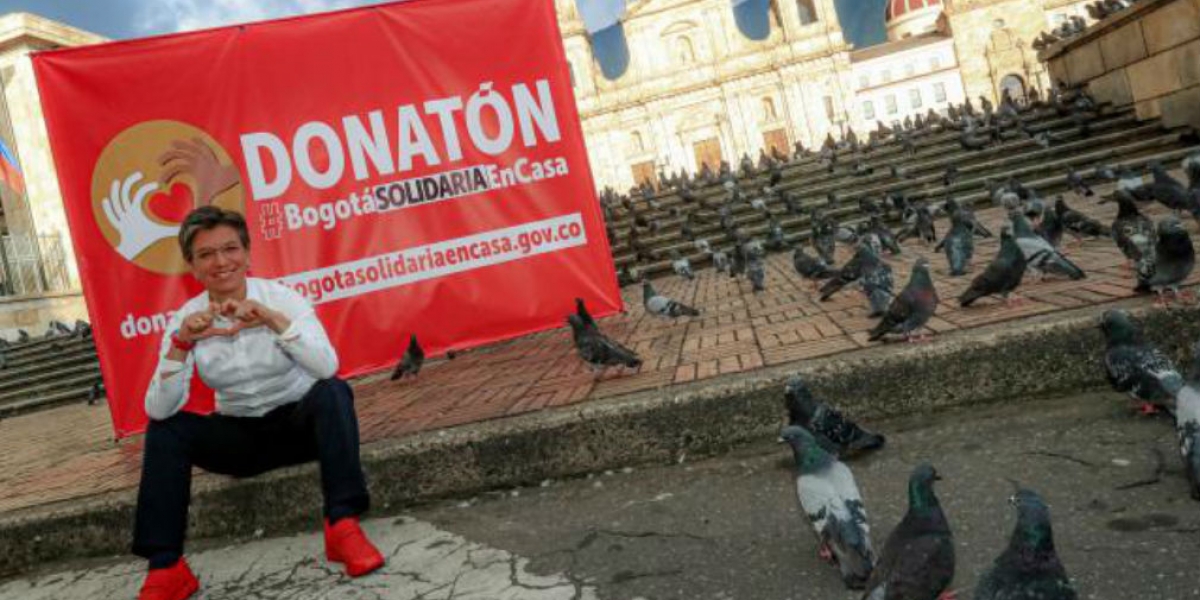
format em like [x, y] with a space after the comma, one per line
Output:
[917, 561]
[1029, 568]
[833, 506]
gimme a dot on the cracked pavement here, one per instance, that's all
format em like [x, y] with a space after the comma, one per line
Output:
[730, 528]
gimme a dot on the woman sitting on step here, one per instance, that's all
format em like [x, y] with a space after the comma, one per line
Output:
[260, 346]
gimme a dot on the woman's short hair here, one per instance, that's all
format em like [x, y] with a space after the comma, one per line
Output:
[207, 218]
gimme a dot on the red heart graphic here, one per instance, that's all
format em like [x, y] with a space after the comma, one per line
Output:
[173, 205]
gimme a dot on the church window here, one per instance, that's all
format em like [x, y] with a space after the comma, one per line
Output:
[829, 107]
[684, 50]
[768, 109]
[869, 110]
[639, 145]
[914, 98]
[939, 92]
[808, 15]
[892, 107]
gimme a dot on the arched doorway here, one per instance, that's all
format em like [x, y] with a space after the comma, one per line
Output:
[1014, 86]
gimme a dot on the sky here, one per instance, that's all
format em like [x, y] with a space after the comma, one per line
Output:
[121, 19]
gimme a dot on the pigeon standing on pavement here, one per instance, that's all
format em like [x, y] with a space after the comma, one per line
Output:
[1051, 228]
[1039, 254]
[917, 561]
[1131, 230]
[864, 265]
[810, 268]
[1078, 223]
[959, 244]
[657, 304]
[1002, 276]
[597, 350]
[834, 507]
[835, 433]
[911, 310]
[824, 232]
[1187, 424]
[682, 266]
[1078, 185]
[1029, 568]
[1169, 263]
[410, 363]
[1135, 367]
[756, 272]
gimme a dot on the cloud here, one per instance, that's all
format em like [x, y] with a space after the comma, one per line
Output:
[169, 16]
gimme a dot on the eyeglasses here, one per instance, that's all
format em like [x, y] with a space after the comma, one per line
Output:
[229, 250]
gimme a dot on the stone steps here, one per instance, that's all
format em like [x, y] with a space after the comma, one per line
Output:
[47, 372]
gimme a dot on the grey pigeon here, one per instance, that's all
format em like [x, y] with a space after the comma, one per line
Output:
[776, 238]
[1168, 190]
[834, 507]
[1039, 254]
[756, 272]
[824, 232]
[1002, 276]
[811, 268]
[682, 266]
[1078, 223]
[912, 308]
[1135, 367]
[1078, 185]
[959, 244]
[836, 434]
[410, 363]
[1051, 228]
[917, 561]
[1029, 568]
[584, 316]
[869, 271]
[1131, 230]
[97, 392]
[887, 239]
[657, 304]
[597, 350]
[1187, 424]
[720, 261]
[1170, 262]
[83, 329]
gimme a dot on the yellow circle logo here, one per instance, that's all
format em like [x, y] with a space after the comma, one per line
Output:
[149, 178]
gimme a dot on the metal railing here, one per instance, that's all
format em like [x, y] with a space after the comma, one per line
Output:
[31, 265]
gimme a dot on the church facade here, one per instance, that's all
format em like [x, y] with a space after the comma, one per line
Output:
[698, 88]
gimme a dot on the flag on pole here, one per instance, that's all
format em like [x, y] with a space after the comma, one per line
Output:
[10, 171]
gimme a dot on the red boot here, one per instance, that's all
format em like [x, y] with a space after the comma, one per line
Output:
[346, 543]
[172, 583]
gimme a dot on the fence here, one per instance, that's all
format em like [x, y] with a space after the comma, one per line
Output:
[31, 265]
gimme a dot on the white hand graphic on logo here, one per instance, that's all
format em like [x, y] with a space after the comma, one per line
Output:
[128, 216]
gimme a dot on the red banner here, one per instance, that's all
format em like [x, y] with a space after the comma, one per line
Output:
[409, 167]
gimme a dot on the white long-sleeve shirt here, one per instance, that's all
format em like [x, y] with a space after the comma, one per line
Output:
[252, 371]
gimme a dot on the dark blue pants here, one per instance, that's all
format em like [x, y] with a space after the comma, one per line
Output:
[322, 426]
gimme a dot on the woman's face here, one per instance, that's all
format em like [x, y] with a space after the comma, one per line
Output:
[219, 260]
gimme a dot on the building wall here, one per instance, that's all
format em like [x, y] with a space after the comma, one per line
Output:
[901, 74]
[1148, 57]
[21, 34]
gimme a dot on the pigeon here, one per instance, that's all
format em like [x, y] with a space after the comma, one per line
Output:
[83, 329]
[1187, 424]
[1170, 263]
[970, 141]
[950, 176]
[657, 304]
[1131, 230]
[1029, 568]
[585, 316]
[1078, 185]
[1003, 274]
[757, 273]
[682, 266]
[597, 350]
[917, 561]
[868, 270]
[720, 261]
[810, 268]
[97, 392]
[1168, 190]
[22, 335]
[912, 308]
[410, 363]
[776, 238]
[824, 231]
[1130, 181]
[1078, 223]
[835, 433]
[702, 245]
[887, 239]
[1135, 367]
[833, 505]
[959, 244]
[59, 328]
[1039, 254]
[1051, 228]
